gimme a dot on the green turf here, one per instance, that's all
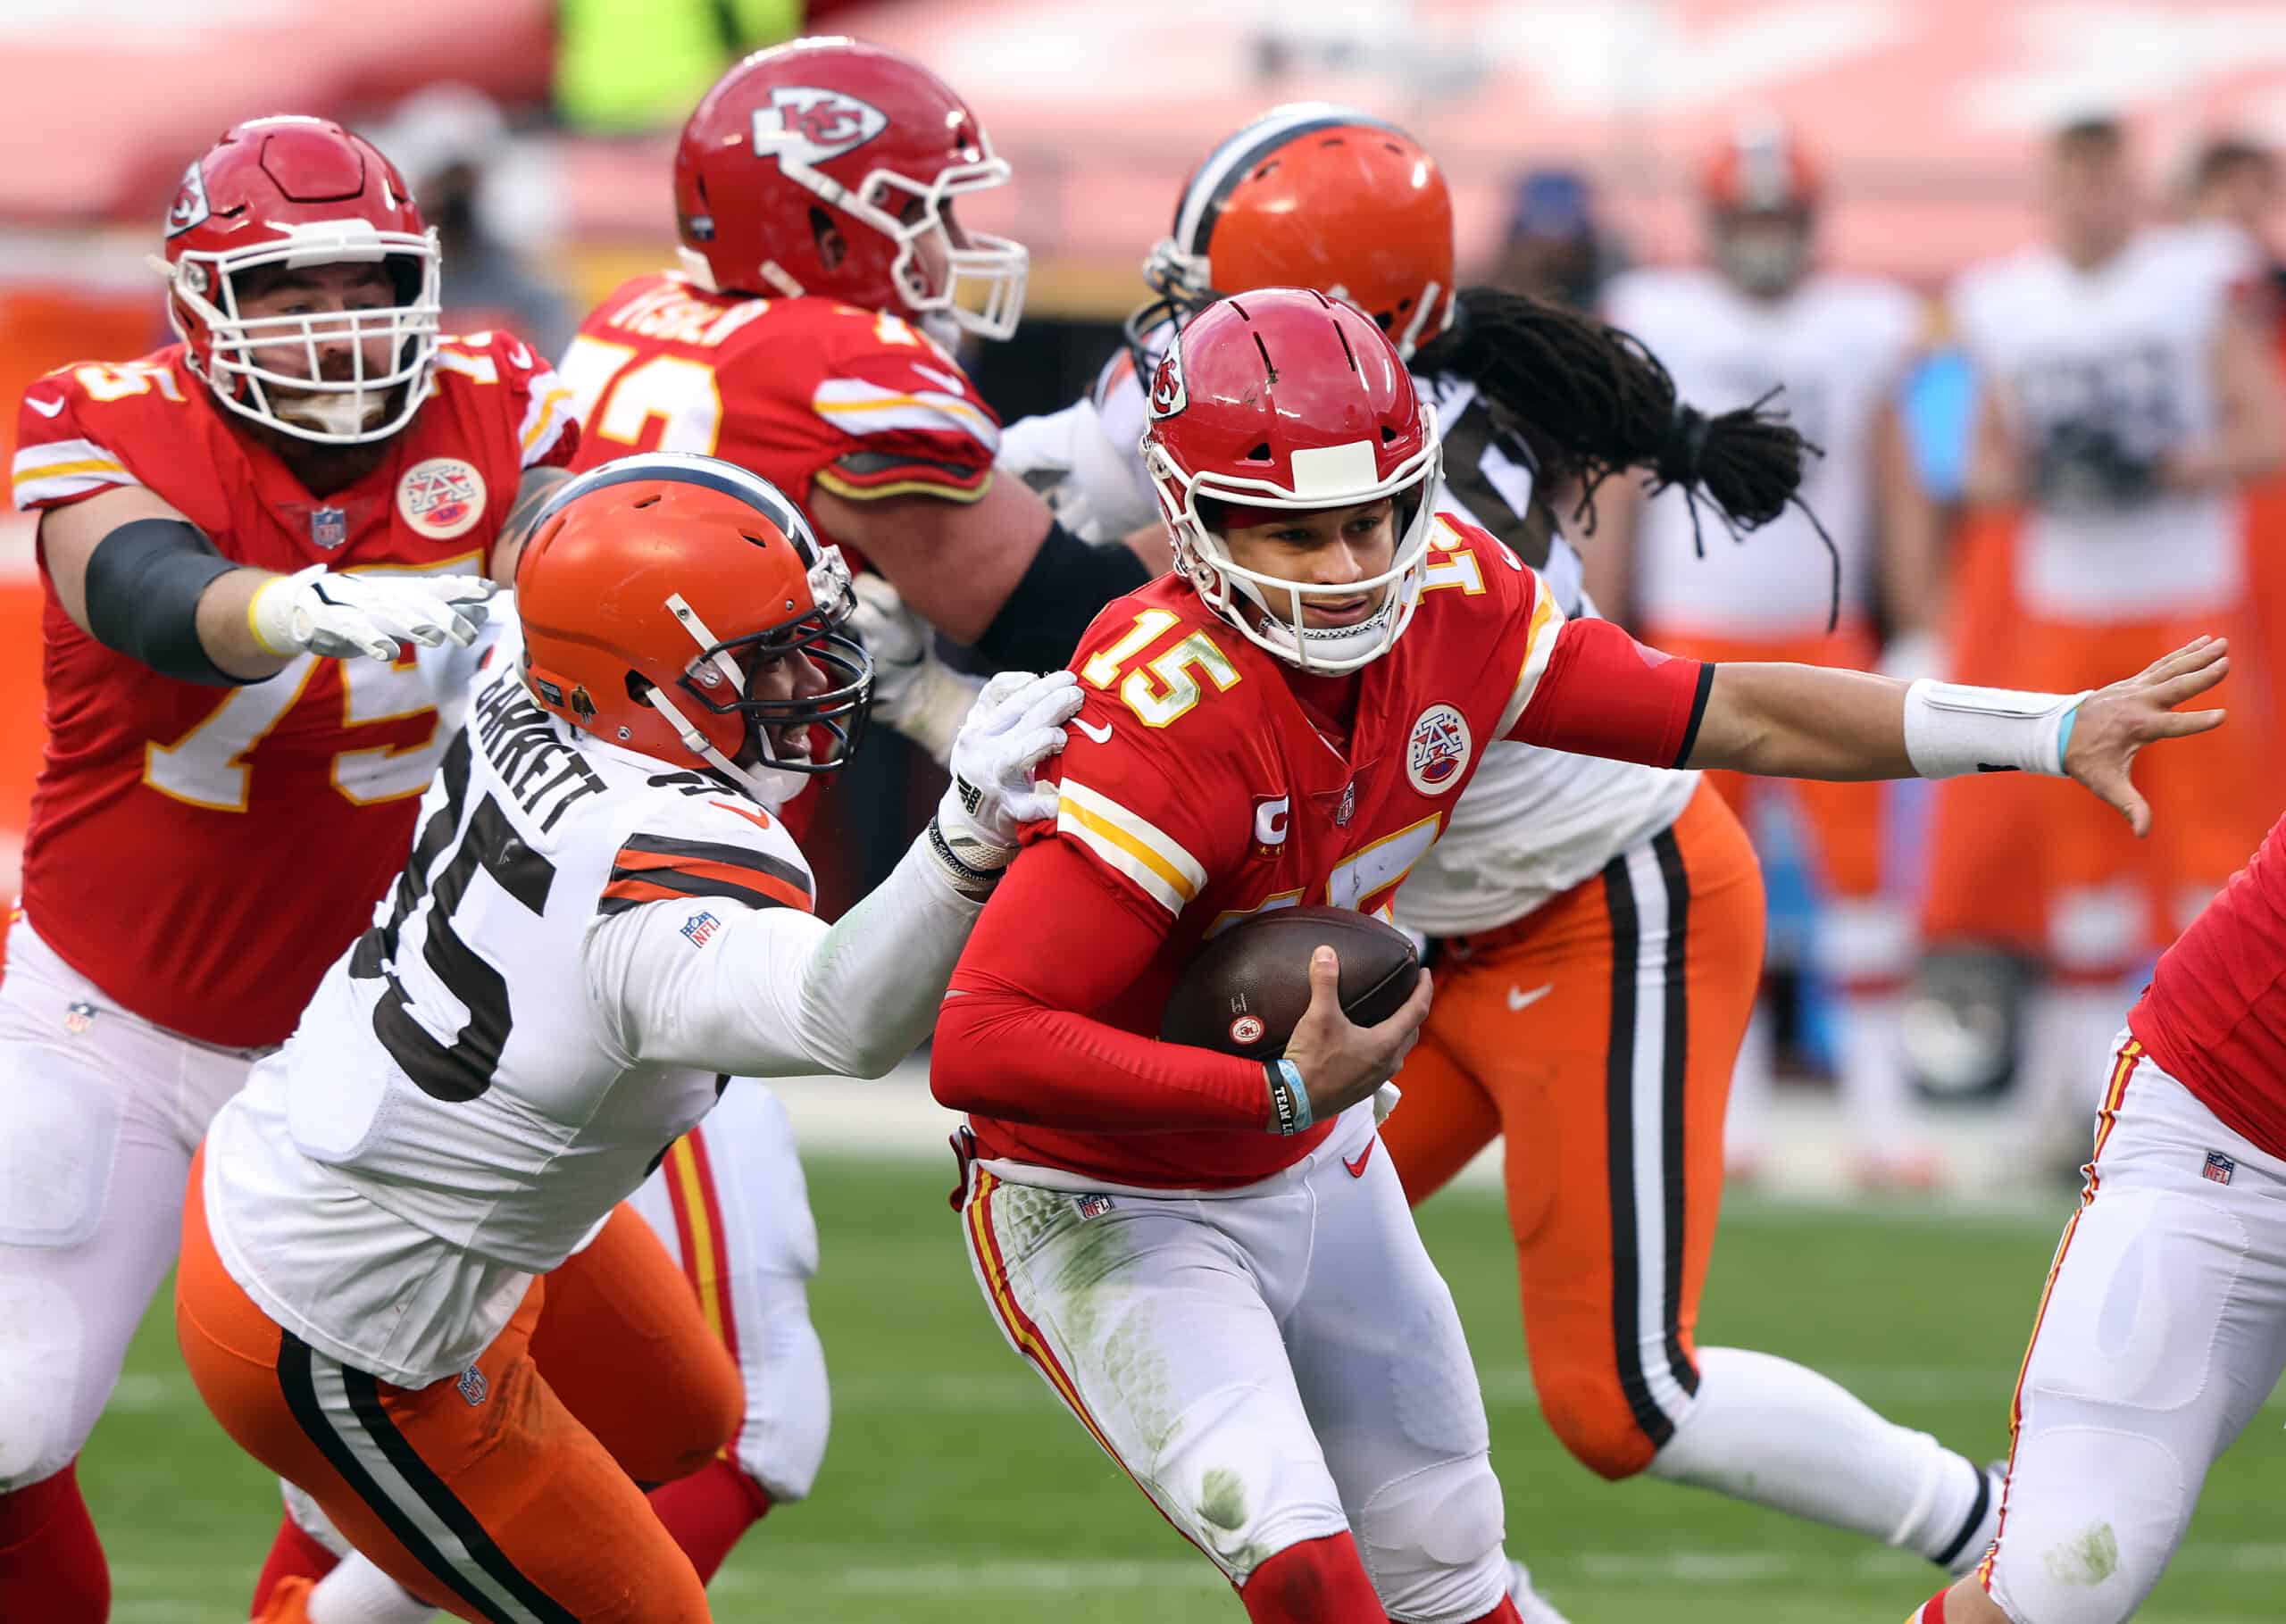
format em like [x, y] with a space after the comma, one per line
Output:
[955, 1490]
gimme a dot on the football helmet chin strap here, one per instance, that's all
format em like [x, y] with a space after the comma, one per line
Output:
[771, 786]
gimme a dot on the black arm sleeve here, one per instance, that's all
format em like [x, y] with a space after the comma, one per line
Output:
[144, 582]
[1069, 581]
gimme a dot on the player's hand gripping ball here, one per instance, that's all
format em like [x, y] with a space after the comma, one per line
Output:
[1246, 990]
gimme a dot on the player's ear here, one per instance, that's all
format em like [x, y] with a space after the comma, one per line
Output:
[833, 246]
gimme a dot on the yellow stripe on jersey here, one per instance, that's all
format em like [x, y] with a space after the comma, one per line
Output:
[67, 470]
[703, 1265]
[1131, 846]
[1539, 644]
[545, 415]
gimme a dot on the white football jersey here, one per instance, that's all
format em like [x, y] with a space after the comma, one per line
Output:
[1532, 823]
[1838, 345]
[2124, 349]
[584, 945]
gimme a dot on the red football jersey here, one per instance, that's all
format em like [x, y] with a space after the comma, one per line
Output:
[203, 853]
[804, 392]
[2215, 1015]
[1202, 790]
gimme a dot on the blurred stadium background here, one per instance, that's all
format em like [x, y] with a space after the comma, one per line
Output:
[538, 136]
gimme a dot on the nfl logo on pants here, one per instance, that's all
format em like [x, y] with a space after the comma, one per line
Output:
[473, 1385]
[2219, 1167]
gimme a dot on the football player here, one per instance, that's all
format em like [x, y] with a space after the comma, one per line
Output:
[602, 916]
[1559, 878]
[815, 191]
[1202, 1255]
[2128, 397]
[262, 548]
[1758, 317]
[2162, 1328]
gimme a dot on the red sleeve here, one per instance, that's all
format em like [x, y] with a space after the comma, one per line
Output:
[908, 419]
[1599, 692]
[539, 402]
[62, 455]
[1060, 936]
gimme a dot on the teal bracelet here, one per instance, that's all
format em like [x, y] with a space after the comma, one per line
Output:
[1289, 1101]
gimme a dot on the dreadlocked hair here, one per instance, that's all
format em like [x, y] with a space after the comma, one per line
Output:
[1594, 401]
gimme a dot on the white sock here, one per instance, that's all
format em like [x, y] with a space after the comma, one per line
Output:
[1872, 1086]
[1769, 1431]
[1745, 1123]
[358, 1592]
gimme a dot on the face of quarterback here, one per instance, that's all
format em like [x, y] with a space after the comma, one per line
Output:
[318, 291]
[1327, 547]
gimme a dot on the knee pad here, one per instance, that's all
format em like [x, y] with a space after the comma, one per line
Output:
[1589, 1412]
[1431, 1542]
[2090, 1530]
[790, 1408]
[41, 1424]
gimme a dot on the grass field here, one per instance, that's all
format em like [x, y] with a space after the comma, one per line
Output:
[955, 1490]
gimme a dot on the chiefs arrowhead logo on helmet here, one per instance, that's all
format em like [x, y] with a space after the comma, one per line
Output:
[812, 125]
[189, 206]
[1169, 393]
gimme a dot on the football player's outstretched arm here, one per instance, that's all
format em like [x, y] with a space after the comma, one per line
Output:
[771, 991]
[138, 577]
[1589, 687]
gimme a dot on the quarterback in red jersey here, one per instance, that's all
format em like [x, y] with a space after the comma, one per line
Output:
[2162, 1330]
[814, 189]
[241, 535]
[1203, 1256]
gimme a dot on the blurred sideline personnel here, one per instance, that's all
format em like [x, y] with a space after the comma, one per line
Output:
[240, 536]
[1759, 318]
[448, 139]
[2235, 192]
[365, 1299]
[1598, 925]
[1285, 1375]
[2129, 396]
[815, 189]
[1554, 248]
[2162, 1330]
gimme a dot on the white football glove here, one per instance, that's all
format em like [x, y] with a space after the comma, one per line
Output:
[1017, 722]
[339, 616]
[913, 691]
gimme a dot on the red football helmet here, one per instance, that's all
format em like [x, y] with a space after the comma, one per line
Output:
[652, 587]
[301, 192]
[1313, 195]
[877, 144]
[1760, 191]
[1285, 399]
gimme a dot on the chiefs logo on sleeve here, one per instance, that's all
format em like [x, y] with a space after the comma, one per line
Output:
[805, 125]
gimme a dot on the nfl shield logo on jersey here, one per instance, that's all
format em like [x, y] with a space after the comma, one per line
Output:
[329, 527]
[1437, 750]
[2219, 1167]
[700, 927]
[473, 1385]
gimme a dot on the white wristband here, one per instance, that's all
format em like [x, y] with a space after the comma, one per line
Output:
[1951, 728]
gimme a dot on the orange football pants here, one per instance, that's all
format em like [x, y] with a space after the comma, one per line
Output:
[509, 1493]
[2011, 854]
[1597, 1035]
[1842, 822]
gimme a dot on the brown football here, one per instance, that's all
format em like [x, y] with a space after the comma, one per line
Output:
[1247, 987]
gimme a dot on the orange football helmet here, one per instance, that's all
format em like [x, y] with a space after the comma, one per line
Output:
[1310, 196]
[1760, 192]
[651, 591]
